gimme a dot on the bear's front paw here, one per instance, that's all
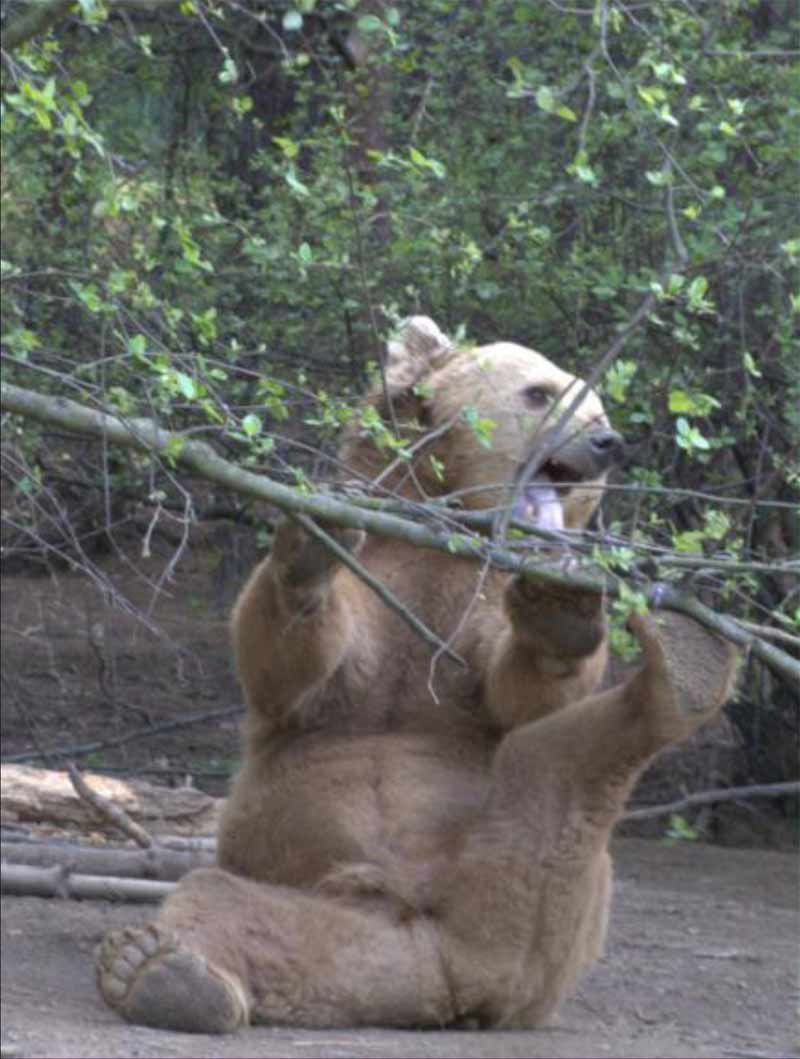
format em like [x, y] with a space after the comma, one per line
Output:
[302, 560]
[556, 619]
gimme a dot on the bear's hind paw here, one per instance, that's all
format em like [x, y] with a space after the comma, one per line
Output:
[698, 666]
[147, 976]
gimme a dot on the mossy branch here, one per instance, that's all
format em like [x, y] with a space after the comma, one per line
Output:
[39, 15]
[36, 18]
[203, 460]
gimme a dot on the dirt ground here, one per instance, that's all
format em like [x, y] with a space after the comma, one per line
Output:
[701, 962]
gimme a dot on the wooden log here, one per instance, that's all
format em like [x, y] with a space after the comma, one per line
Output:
[46, 796]
[157, 863]
[22, 880]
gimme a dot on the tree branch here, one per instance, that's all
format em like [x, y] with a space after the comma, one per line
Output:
[722, 794]
[167, 865]
[40, 15]
[146, 435]
[61, 752]
[391, 601]
[38, 18]
[106, 808]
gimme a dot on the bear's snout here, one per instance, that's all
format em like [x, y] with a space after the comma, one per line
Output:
[607, 447]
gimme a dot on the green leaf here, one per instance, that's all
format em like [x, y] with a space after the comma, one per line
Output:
[297, 185]
[657, 177]
[680, 401]
[565, 112]
[688, 437]
[545, 99]
[229, 73]
[750, 365]
[252, 425]
[173, 449]
[618, 378]
[697, 288]
[186, 385]
[581, 169]
[690, 541]
[437, 466]
[137, 346]
[289, 147]
[369, 23]
[680, 830]
[482, 426]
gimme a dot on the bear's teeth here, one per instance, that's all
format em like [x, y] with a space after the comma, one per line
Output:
[541, 506]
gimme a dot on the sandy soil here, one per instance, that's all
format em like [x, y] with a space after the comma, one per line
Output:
[701, 962]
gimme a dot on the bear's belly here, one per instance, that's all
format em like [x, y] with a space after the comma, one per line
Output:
[389, 800]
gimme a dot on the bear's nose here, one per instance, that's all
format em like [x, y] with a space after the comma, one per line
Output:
[607, 447]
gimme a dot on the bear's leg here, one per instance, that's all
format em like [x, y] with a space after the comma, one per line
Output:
[295, 619]
[596, 748]
[226, 951]
[552, 652]
[527, 898]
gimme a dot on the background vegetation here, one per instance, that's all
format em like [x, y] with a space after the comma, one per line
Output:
[214, 211]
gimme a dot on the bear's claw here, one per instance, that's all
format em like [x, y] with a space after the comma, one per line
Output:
[147, 976]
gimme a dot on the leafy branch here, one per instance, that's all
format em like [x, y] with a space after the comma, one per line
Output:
[201, 458]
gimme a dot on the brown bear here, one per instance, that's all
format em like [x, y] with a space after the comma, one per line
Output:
[408, 845]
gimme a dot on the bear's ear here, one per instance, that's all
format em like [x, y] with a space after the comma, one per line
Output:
[416, 348]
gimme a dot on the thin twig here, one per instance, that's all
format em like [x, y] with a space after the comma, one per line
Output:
[114, 813]
[460, 624]
[105, 744]
[380, 590]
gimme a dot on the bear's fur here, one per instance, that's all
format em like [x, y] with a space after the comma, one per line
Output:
[411, 845]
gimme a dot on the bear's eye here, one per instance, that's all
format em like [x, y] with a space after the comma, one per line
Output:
[537, 396]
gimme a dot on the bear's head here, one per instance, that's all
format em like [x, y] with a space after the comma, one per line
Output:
[482, 425]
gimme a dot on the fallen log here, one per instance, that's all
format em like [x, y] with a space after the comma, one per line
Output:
[22, 880]
[159, 863]
[47, 796]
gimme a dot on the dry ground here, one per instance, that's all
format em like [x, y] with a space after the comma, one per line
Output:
[702, 962]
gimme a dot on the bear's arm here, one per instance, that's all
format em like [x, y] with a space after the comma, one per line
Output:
[545, 649]
[289, 638]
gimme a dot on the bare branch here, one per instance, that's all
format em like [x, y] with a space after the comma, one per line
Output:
[118, 817]
[62, 752]
[391, 601]
[722, 794]
[204, 461]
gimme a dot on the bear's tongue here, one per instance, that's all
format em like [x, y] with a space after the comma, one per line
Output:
[538, 503]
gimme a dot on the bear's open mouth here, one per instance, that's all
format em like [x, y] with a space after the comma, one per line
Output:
[540, 502]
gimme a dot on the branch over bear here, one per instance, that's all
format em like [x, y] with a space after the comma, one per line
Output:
[391, 858]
